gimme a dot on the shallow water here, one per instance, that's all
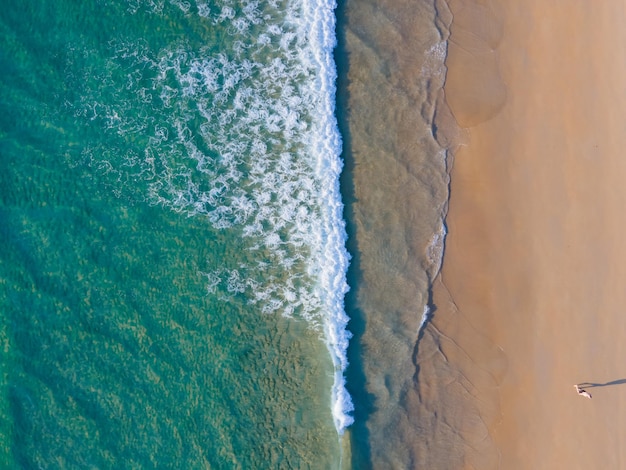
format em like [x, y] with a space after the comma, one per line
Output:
[414, 377]
[397, 136]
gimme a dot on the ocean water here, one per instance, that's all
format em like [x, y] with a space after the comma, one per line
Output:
[172, 268]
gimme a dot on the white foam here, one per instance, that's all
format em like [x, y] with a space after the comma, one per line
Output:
[434, 254]
[434, 61]
[264, 160]
[435, 249]
[326, 143]
[426, 314]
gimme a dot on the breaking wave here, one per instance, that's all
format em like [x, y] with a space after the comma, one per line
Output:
[245, 136]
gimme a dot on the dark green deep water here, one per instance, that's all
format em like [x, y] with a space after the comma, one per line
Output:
[116, 351]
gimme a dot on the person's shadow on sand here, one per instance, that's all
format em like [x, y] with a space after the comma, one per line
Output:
[592, 384]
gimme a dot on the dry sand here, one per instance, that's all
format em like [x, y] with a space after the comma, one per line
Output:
[535, 266]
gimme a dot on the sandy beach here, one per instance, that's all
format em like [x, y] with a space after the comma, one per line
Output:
[532, 292]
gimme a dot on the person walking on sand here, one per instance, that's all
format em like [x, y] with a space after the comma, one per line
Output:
[582, 392]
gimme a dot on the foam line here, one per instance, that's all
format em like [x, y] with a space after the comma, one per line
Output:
[247, 137]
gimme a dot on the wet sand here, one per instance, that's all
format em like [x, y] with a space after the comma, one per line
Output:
[532, 293]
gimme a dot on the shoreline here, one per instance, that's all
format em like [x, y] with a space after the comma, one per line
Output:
[395, 190]
[529, 297]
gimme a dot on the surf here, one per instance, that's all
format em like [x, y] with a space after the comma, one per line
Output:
[246, 137]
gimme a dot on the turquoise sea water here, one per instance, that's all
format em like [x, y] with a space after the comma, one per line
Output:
[172, 268]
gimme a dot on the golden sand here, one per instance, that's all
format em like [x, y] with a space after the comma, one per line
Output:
[535, 265]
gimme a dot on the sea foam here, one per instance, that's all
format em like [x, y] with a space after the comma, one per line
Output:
[326, 143]
[245, 136]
